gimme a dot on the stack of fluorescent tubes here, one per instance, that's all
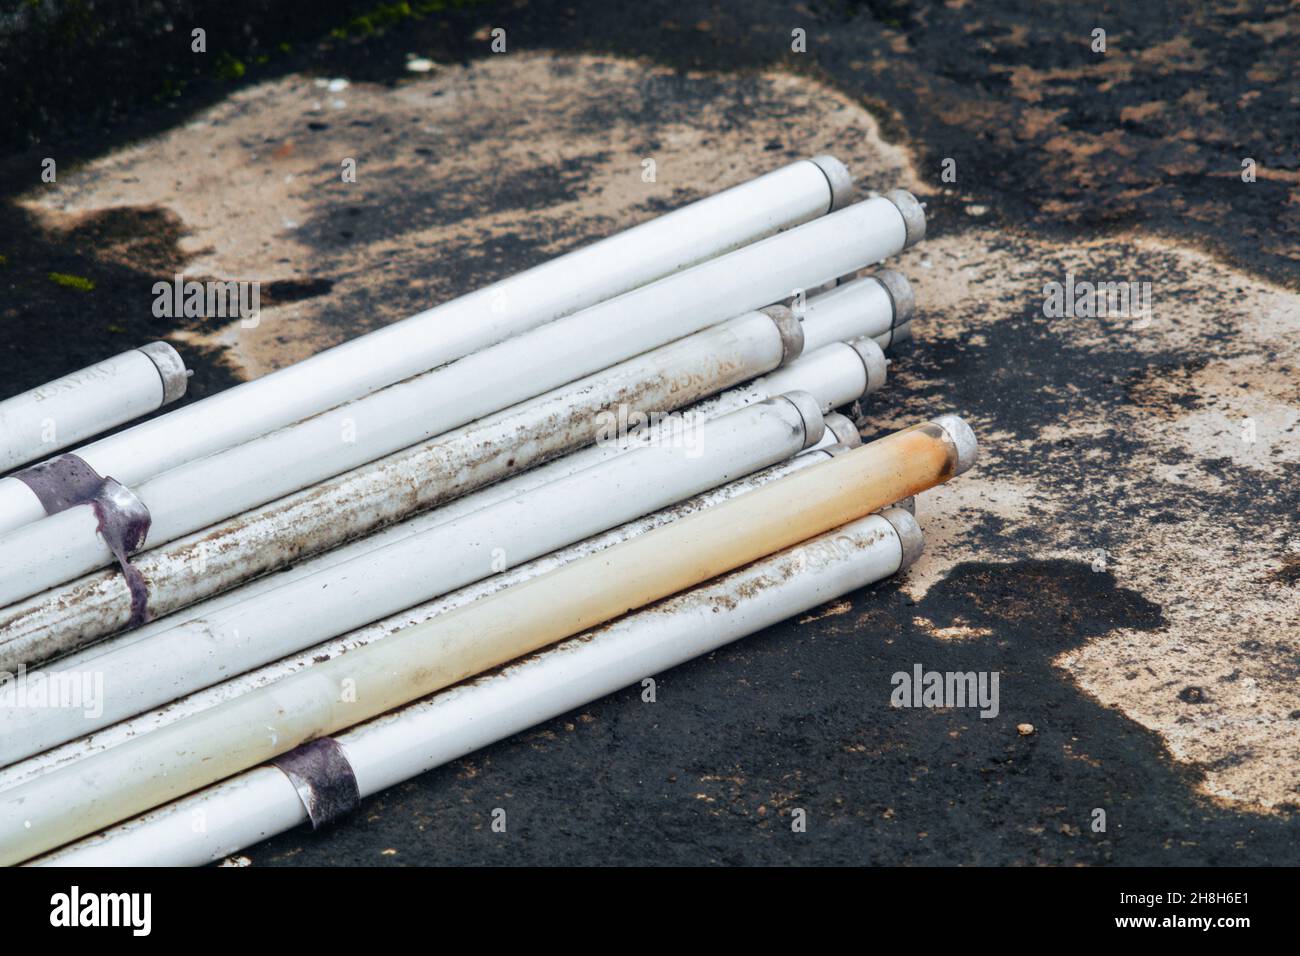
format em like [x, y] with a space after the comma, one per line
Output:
[613, 462]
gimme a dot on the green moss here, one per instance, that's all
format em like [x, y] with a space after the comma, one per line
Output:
[80, 283]
[388, 14]
[229, 67]
[171, 88]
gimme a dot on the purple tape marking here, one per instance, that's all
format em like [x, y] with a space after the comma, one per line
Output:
[320, 772]
[67, 481]
[61, 482]
[123, 523]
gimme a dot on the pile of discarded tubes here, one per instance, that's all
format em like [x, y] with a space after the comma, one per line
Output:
[260, 607]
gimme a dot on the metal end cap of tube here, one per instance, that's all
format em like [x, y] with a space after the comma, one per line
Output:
[913, 215]
[960, 434]
[839, 177]
[908, 504]
[901, 334]
[171, 369]
[837, 449]
[909, 534]
[873, 360]
[791, 330]
[845, 432]
[900, 294]
[810, 410]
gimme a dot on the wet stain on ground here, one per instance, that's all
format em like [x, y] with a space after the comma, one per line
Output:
[1289, 573]
[53, 328]
[1044, 130]
[445, 202]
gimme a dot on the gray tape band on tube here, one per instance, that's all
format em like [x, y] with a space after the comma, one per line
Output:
[61, 482]
[123, 524]
[320, 772]
[67, 481]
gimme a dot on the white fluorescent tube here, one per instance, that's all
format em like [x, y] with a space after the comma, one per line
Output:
[148, 721]
[67, 545]
[185, 571]
[828, 317]
[325, 515]
[840, 430]
[895, 336]
[85, 403]
[207, 562]
[696, 233]
[184, 658]
[262, 802]
[196, 567]
[135, 776]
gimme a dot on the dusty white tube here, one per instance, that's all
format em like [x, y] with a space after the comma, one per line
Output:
[839, 381]
[128, 779]
[696, 233]
[345, 507]
[833, 365]
[334, 600]
[67, 545]
[149, 721]
[212, 560]
[77, 406]
[828, 317]
[456, 721]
